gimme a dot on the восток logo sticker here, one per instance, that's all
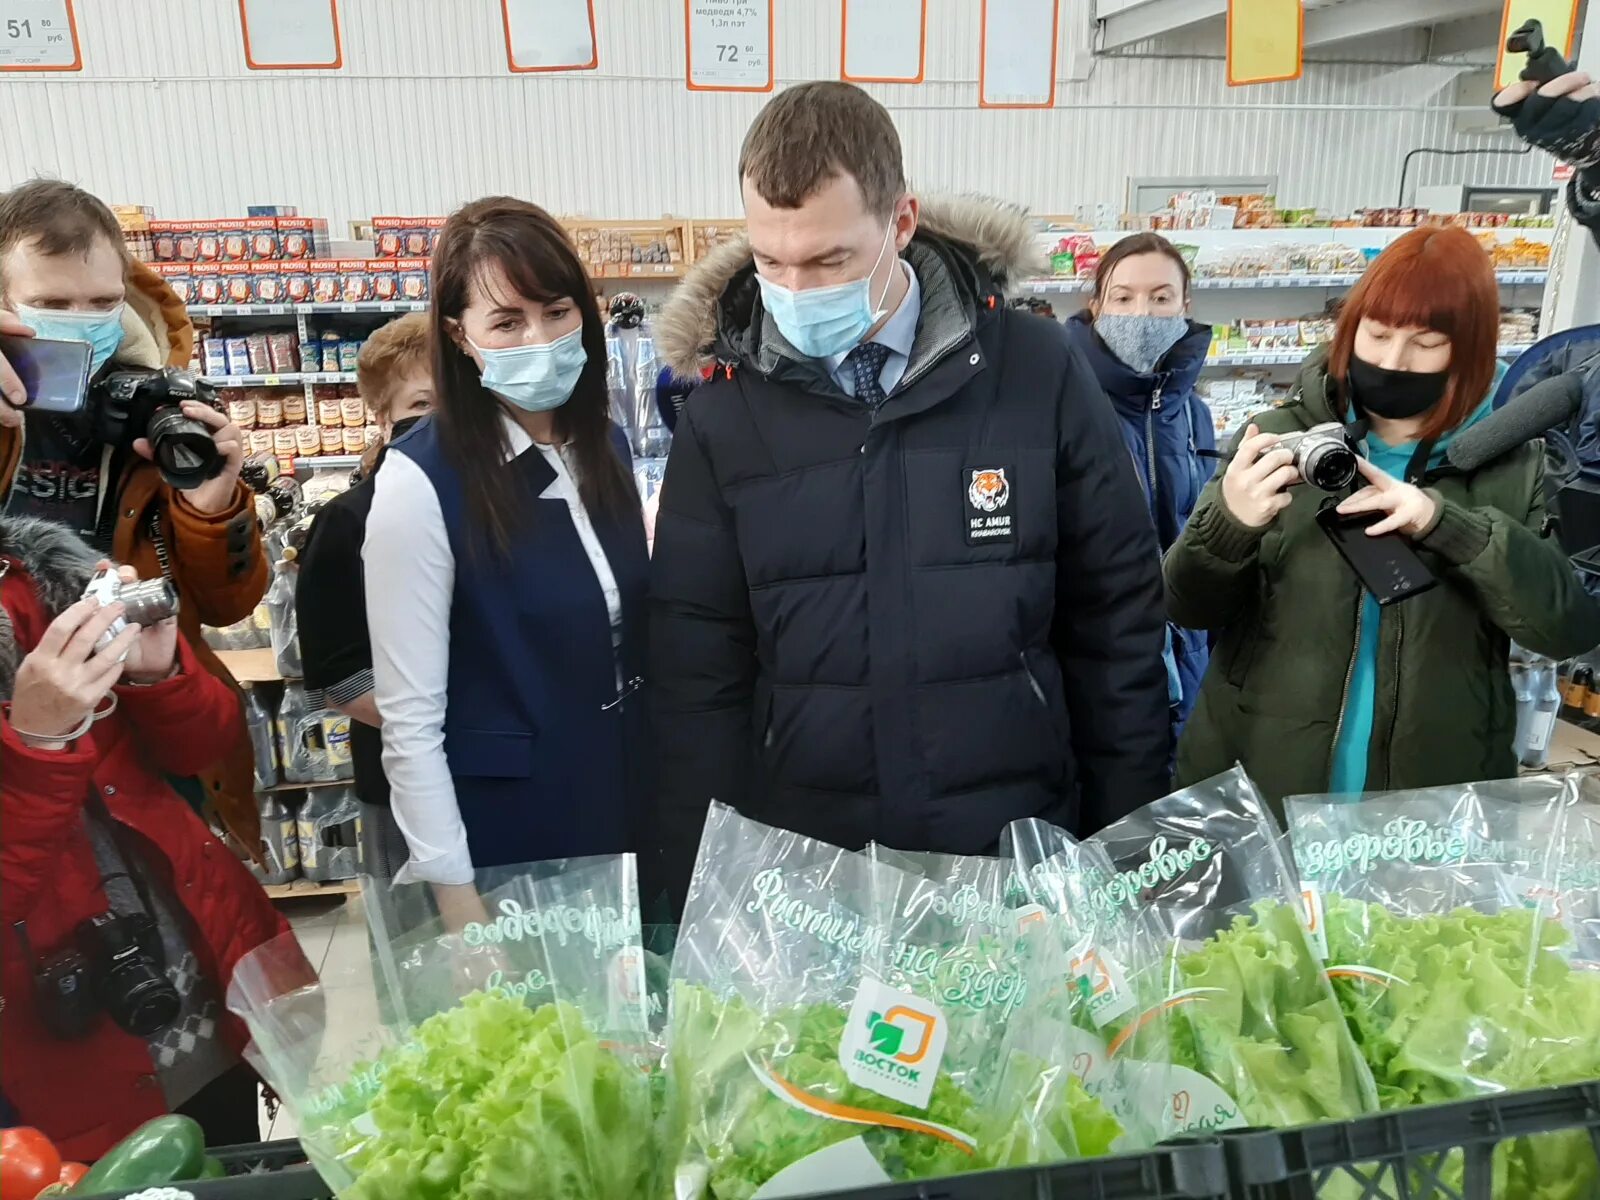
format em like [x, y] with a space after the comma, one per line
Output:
[894, 1043]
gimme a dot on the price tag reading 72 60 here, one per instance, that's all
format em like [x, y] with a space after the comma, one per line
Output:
[730, 45]
[38, 35]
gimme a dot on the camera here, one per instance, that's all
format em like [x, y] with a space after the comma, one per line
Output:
[1324, 455]
[128, 405]
[117, 966]
[147, 602]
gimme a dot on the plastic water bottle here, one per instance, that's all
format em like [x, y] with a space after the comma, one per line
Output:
[259, 722]
[279, 843]
[1538, 704]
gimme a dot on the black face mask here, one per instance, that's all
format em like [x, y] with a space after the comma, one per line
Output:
[1395, 395]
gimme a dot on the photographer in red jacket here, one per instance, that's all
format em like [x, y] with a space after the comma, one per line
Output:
[121, 916]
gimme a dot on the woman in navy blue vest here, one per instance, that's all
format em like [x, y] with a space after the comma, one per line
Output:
[506, 572]
[1147, 355]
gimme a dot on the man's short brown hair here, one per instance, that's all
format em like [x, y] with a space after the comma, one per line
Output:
[809, 134]
[61, 217]
[389, 355]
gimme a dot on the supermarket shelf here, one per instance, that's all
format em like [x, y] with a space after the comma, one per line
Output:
[1246, 283]
[310, 889]
[250, 666]
[306, 787]
[347, 461]
[290, 310]
[291, 379]
[1296, 355]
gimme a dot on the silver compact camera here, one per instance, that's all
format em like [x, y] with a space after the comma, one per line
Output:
[1324, 455]
[148, 602]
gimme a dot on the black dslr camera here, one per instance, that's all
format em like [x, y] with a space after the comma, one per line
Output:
[118, 967]
[128, 405]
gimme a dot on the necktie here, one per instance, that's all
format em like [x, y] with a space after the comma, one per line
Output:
[867, 360]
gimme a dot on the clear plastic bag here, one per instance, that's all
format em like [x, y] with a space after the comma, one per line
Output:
[1103, 986]
[1444, 916]
[513, 1064]
[837, 1021]
[1250, 1012]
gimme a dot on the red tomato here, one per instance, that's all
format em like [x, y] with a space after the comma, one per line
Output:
[28, 1163]
[71, 1172]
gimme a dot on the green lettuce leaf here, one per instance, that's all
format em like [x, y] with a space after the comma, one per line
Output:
[1268, 1031]
[492, 1100]
[1472, 1004]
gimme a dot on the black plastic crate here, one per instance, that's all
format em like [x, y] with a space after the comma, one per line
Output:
[259, 1171]
[1192, 1171]
[1438, 1152]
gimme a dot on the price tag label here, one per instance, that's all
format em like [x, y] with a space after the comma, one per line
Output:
[730, 45]
[387, 308]
[38, 35]
[347, 308]
[272, 380]
[277, 310]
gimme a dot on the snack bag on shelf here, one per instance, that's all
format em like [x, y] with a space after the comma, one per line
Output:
[836, 1021]
[1443, 917]
[506, 1058]
[1251, 1012]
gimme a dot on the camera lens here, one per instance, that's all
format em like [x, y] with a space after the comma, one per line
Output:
[134, 989]
[1329, 465]
[148, 602]
[184, 449]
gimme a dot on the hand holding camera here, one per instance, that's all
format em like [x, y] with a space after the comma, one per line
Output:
[121, 628]
[1553, 105]
[12, 395]
[1406, 510]
[1255, 487]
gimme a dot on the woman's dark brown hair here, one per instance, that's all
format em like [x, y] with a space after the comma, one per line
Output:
[1130, 247]
[540, 262]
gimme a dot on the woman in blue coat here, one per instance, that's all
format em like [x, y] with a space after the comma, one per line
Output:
[1147, 354]
[506, 573]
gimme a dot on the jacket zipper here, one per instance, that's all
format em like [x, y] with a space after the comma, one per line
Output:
[1349, 674]
[1150, 446]
[1394, 711]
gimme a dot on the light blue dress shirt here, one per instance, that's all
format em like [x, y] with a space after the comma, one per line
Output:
[898, 333]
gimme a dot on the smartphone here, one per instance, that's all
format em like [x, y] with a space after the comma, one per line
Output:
[55, 375]
[1387, 565]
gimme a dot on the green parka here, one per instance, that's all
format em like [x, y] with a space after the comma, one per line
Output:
[1284, 608]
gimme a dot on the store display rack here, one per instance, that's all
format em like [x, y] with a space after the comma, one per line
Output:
[289, 379]
[1297, 354]
[310, 889]
[1437, 1152]
[305, 310]
[1071, 284]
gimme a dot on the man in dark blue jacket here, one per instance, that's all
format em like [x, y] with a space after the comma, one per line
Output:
[904, 587]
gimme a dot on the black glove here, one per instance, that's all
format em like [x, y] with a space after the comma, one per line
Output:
[1568, 129]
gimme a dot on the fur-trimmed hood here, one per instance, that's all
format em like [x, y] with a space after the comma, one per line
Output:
[56, 561]
[995, 238]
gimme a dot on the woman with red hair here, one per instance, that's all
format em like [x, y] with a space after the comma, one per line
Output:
[1313, 686]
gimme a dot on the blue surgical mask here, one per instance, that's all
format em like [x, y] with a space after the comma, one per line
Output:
[535, 378]
[825, 321]
[1139, 340]
[102, 330]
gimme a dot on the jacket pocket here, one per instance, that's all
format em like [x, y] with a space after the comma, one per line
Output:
[490, 753]
[1052, 701]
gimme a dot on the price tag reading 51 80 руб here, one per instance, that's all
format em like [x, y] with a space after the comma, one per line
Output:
[729, 45]
[38, 35]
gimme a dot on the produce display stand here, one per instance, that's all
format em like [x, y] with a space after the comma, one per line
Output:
[1440, 1152]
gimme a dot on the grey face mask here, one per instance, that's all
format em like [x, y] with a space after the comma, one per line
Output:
[1140, 341]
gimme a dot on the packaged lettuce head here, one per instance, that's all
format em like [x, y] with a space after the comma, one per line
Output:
[836, 1021]
[1250, 1014]
[1100, 976]
[1448, 947]
[507, 1058]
